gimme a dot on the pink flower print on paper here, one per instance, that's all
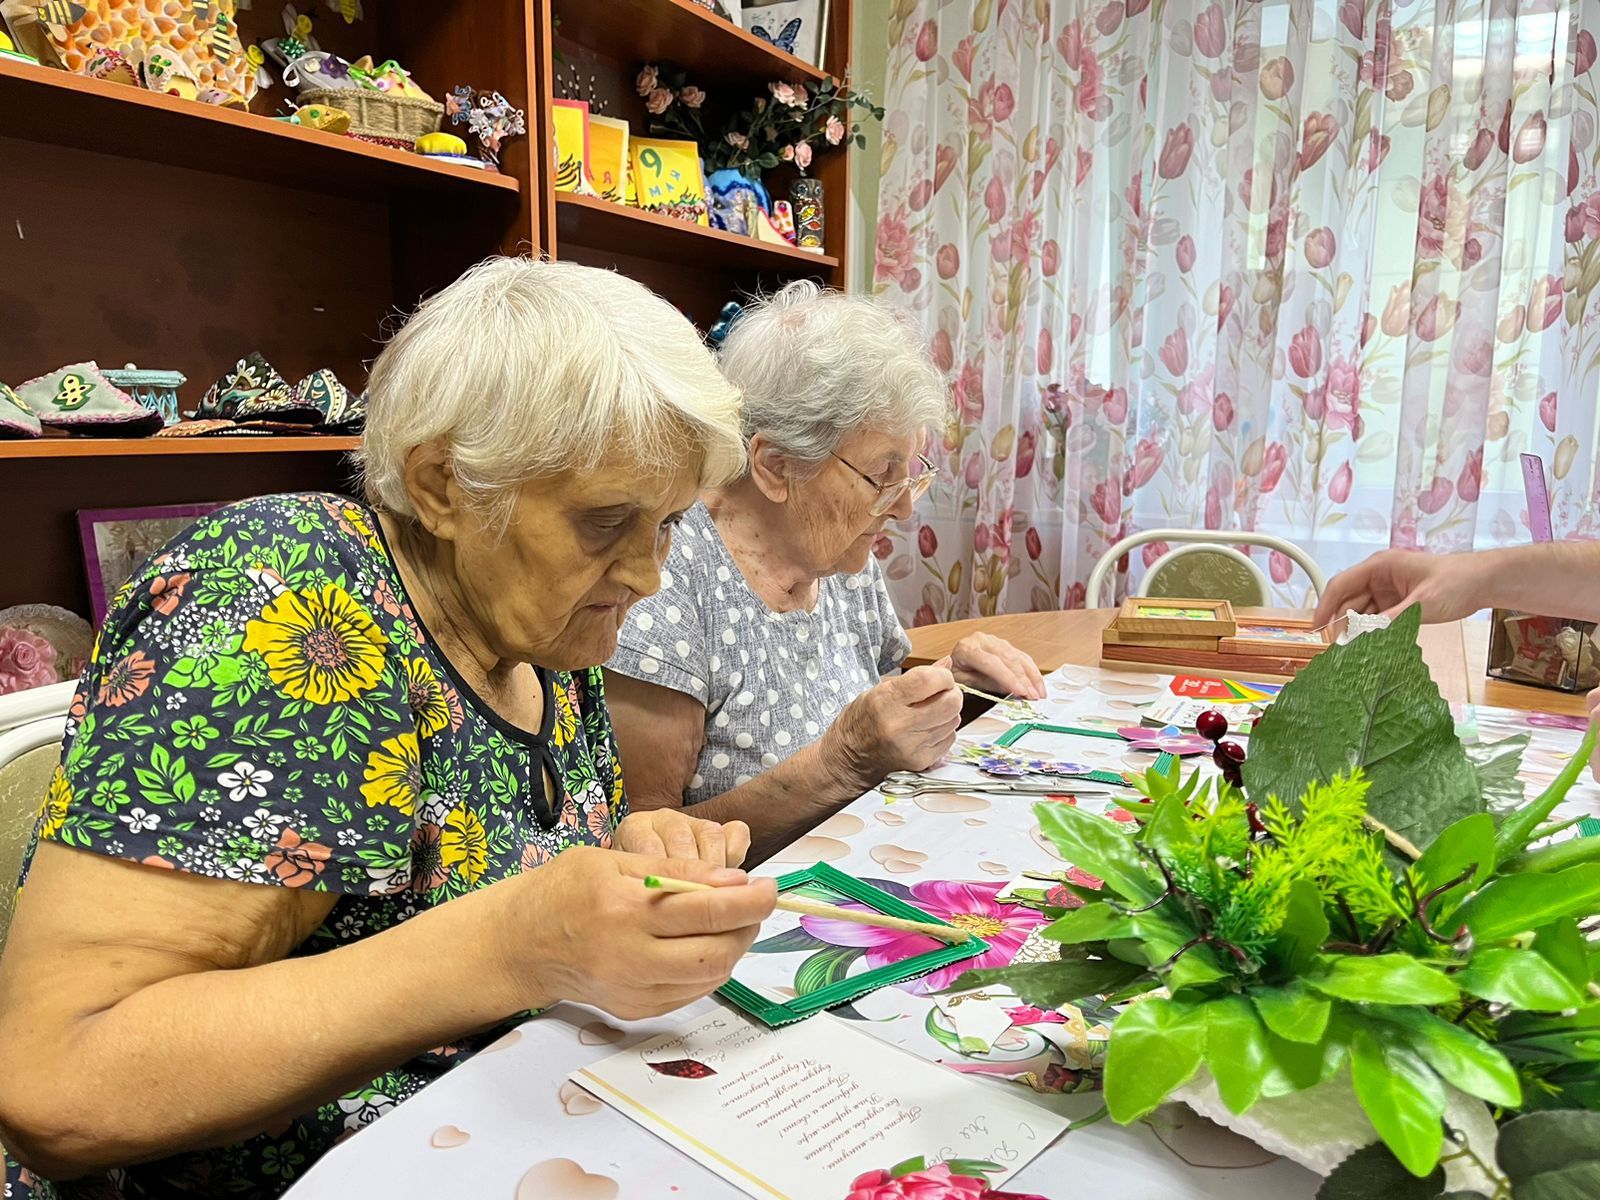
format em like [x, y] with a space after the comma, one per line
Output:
[970, 906]
[930, 1183]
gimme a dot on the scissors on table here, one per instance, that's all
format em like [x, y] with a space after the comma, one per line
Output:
[908, 783]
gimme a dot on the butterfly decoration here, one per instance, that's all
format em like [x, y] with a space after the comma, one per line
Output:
[682, 1068]
[1168, 740]
[784, 40]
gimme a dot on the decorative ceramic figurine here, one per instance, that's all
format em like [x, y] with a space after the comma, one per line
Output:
[806, 196]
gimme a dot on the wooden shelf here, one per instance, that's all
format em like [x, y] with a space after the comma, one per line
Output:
[57, 107]
[711, 48]
[617, 228]
[93, 447]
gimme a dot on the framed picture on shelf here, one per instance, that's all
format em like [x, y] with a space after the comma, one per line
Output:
[792, 25]
[1286, 637]
[116, 541]
[1175, 617]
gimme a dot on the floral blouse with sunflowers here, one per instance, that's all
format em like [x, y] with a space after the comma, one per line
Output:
[263, 705]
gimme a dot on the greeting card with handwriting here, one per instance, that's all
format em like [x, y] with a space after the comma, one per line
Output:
[797, 1113]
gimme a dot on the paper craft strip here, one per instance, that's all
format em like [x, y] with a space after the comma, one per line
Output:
[1017, 732]
[775, 1013]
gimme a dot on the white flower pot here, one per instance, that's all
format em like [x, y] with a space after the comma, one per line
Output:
[1322, 1126]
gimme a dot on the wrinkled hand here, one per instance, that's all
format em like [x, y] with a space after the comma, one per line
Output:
[584, 927]
[1594, 723]
[905, 723]
[982, 660]
[673, 833]
[1448, 586]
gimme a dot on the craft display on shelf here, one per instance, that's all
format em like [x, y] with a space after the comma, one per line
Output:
[806, 197]
[1168, 739]
[80, 399]
[41, 644]
[17, 420]
[488, 117]
[737, 204]
[8, 50]
[794, 26]
[1549, 652]
[667, 178]
[155, 390]
[570, 121]
[607, 158]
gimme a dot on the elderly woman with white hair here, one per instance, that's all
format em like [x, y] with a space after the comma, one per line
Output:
[756, 685]
[339, 782]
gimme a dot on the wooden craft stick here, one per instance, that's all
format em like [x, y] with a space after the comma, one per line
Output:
[945, 933]
[972, 691]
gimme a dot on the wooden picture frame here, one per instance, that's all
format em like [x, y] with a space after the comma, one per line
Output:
[1285, 638]
[116, 542]
[1177, 617]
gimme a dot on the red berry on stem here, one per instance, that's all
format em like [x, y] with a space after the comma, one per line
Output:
[1211, 724]
[1230, 750]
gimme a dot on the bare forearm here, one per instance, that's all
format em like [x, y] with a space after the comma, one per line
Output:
[1558, 579]
[788, 800]
[216, 1056]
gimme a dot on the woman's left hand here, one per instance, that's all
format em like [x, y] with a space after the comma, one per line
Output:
[672, 833]
[982, 660]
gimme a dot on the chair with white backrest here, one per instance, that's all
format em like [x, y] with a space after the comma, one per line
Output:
[1205, 566]
[31, 727]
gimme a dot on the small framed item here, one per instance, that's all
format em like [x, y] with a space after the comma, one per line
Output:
[1287, 638]
[116, 541]
[1057, 746]
[794, 971]
[1175, 617]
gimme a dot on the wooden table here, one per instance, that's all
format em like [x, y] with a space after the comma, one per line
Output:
[1455, 652]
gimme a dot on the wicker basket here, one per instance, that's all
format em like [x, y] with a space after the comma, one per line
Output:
[378, 115]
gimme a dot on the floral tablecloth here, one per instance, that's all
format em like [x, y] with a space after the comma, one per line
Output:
[509, 1125]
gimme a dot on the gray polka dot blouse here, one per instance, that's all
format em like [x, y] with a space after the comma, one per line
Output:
[771, 682]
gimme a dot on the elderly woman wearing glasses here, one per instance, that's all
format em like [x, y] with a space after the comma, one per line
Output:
[758, 685]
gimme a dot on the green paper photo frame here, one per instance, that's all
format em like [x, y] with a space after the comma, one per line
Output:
[821, 876]
[1016, 733]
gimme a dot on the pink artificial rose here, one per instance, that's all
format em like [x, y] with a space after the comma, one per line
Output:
[927, 41]
[834, 131]
[788, 93]
[1176, 151]
[802, 155]
[26, 660]
[692, 96]
[648, 81]
[1305, 352]
[738, 141]
[658, 101]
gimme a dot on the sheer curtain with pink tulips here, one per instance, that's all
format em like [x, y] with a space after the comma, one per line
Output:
[1319, 268]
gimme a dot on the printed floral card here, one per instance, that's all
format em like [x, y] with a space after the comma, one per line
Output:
[800, 1113]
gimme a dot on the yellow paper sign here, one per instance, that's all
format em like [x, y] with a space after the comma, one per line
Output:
[667, 178]
[608, 157]
[571, 119]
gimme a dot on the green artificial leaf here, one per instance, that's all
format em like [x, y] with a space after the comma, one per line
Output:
[1370, 704]
[1293, 1012]
[1498, 765]
[1296, 1066]
[1580, 1181]
[1380, 979]
[1051, 984]
[1460, 1057]
[1304, 929]
[1402, 1098]
[824, 968]
[1515, 904]
[1564, 948]
[1374, 1171]
[1171, 827]
[1534, 1143]
[1236, 1051]
[1103, 848]
[1156, 1046]
[1554, 856]
[1540, 1037]
[1092, 923]
[1521, 978]
[1517, 831]
[1467, 843]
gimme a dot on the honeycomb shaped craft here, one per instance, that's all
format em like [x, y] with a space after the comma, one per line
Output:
[201, 38]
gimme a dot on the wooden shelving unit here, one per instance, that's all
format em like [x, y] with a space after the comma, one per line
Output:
[143, 228]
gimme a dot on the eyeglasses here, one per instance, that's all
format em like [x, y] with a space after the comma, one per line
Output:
[889, 494]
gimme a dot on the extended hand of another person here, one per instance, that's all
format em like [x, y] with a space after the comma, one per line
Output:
[583, 927]
[1448, 586]
[672, 833]
[906, 723]
[982, 660]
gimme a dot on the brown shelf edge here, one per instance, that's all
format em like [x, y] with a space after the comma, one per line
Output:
[70, 447]
[249, 124]
[786, 255]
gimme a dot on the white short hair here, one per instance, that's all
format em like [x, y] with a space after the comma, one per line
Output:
[815, 365]
[526, 368]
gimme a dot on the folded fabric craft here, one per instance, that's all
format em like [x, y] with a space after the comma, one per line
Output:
[252, 389]
[79, 399]
[340, 410]
[17, 420]
[211, 427]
